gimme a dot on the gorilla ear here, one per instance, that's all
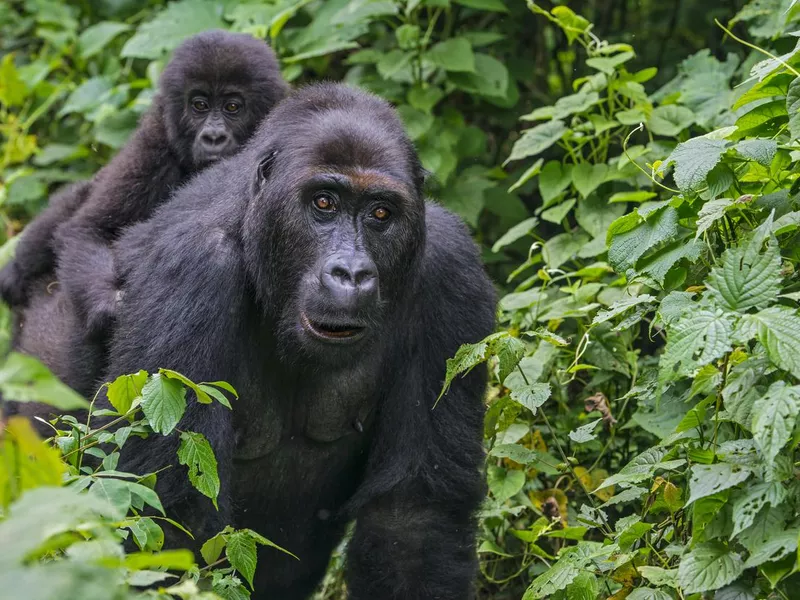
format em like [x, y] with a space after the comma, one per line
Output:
[265, 167]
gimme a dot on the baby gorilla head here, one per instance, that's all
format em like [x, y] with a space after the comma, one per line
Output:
[214, 92]
[339, 187]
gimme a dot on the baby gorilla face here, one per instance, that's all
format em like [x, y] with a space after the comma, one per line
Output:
[217, 118]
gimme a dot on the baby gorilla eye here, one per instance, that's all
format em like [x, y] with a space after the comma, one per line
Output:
[232, 107]
[381, 213]
[324, 202]
[200, 105]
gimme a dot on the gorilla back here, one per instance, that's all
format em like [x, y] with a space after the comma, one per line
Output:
[310, 273]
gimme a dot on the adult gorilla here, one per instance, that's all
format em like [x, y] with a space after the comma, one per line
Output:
[212, 95]
[309, 272]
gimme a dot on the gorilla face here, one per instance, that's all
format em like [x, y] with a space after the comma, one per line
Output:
[345, 222]
[214, 92]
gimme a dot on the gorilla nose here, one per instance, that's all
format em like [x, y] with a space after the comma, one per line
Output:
[214, 138]
[352, 281]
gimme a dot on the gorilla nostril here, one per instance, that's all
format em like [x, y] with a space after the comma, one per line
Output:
[214, 138]
[342, 274]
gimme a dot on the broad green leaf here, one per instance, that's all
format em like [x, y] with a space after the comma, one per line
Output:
[516, 452]
[147, 534]
[490, 78]
[759, 150]
[195, 452]
[13, 90]
[584, 433]
[537, 140]
[517, 232]
[621, 306]
[760, 115]
[86, 96]
[793, 108]
[659, 576]
[467, 358]
[658, 265]
[24, 379]
[708, 480]
[708, 567]
[171, 26]
[163, 403]
[557, 213]
[179, 560]
[587, 177]
[735, 591]
[648, 594]
[773, 548]
[556, 578]
[532, 396]
[748, 277]
[454, 54]
[694, 160]
[505, 483]
[642, 467]
[609, 65]
[417, 123]
[637, 196]
[554, 179]
[125, 389]
[147, 495]
[509, 351]
[93, 39]
[529, 174]
[213, 548]
[241, 552]
[115, 492]
[710, 213]
[774, 418]
[670, 120]
[752, 501]
[627, 246]
[778, 330]
[697, 338]
[771, 87]
[425, 98]
[489, 5]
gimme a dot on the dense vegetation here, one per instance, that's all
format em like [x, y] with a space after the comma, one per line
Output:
[642, 223]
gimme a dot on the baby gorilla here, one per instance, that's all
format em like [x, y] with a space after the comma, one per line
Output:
[212, 95]
[310, 273]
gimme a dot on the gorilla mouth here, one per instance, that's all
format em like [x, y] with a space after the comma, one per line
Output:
[330, 332]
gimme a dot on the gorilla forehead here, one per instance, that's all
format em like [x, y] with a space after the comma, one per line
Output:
[219, 58]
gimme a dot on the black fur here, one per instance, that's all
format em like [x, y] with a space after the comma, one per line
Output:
[214, 286]
[165, 150]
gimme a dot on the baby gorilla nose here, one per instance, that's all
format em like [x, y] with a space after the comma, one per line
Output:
[214, 138]
[350, 281]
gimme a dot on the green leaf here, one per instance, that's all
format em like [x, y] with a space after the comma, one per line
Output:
[454, 54]
[642, 467]
[748, 278]
[563, 247]
[557, 213]
[532, 396]
[195, 452]
[554, 179]
[425, 98]
[509, 351]
[145, 494]
[147, 534]
[609, 65]
[708, 567]
[621, 306]
[517, 453]
[171, 26]
[416, 122]
[760, 115]
[778, 330]
[774, 418]
[648, 594]
[584, 433]
[694, 160]
[517, 232]
[670, 120]
[163, 403]
[537, 140]
[180, 560]
[93, 39]
[697, 338]
[489, 5]
[774, 85]
[773, 548]
[658, 265]
[125, 389]
[626, 247]
[710, 213]
[637, 196]
[13, 90]
[86, 96]
[24, 379]
[504, 483]
[708, 480]
[793, 108]
[490, 78]
[761, 151]
[114, 491]
[587, 177]
[213, 548]
[752, 501]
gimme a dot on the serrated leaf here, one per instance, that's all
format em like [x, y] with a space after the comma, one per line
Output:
[779, 332]
[516, 452]
[504, 483]
[793, 108]
[773, 548]
[241, 552]
[710, 213]
[587, 177]
[735, 591]
[708, 567]
[752, 501]
[537, 140]
[696, 339]
[760, 150]
[642, 467]
[584, 433]
[774, 417]
[509, 351]
[195, 452]
[467, 358]
[659, 576]
[627, 246]
[213, 548]
[694, 160]
[125, 389]
[532, 396]
[670, 120]
[621, 306]
[760, 115]
[658, 265]
[707, 480]
[648, 594]
[163, 403]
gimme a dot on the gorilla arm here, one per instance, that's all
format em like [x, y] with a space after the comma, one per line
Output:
[35, 253]
[129, 189]
[415, 530]
[185, 283]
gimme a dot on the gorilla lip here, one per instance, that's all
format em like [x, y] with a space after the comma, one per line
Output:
[331, 333]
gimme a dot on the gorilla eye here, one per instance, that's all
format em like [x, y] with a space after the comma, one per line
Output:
[381, 213]
[232, 107]
[199, 105]
[324, 202]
